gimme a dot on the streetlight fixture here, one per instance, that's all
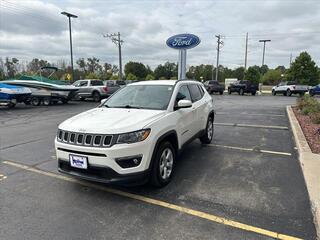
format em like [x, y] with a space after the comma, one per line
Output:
[264, 48]
[69, 15]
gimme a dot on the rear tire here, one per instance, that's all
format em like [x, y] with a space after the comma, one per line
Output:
[163, 165]
[221, 92]
[208, 135]
[46, 101]
[311, 93]
[253, 93]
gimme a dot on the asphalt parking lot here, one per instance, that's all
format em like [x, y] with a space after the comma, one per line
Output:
[246, 185]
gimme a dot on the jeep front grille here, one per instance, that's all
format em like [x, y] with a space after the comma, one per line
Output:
[84, 139]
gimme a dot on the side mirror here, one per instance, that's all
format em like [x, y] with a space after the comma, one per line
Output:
[103, 101]
[184, 104]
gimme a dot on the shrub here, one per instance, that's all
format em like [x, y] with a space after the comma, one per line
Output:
[308, 105]
[315, 117]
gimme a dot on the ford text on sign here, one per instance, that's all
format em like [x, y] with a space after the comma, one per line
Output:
[183, 41]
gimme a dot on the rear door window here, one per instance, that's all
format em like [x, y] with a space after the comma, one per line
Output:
[96, 83]
[195, 92]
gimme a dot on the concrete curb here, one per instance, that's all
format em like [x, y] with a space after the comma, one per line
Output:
[310, 164]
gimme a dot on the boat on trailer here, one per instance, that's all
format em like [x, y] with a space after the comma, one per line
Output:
[45, 90]
[11, 95]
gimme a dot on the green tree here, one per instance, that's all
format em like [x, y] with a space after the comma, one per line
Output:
[167, 70]
[93, 65]
[253, 75]
[162, 78]
[264, 69]
[131, 76]
[150, 77]
[35, 65]
[173, 78]
[114, 77]
[136, 68]
[281, 68]
[82, 64]
[238, 73]
[303, 70]
[92, 75]
[11, 66]
[272, 77]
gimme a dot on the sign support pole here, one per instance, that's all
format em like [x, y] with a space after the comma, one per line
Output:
[182, 64]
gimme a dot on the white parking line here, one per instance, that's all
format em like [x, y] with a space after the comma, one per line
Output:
[250, 149]
[253, 114]
[2, 177]
[252, 126]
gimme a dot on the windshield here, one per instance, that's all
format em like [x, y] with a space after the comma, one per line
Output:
[141, 96]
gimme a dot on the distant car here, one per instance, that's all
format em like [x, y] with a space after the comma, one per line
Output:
[213, 86]
[242, 87]
[315, 90]
[289, 88]
[91, 88]
[112, 86]
[121, 83]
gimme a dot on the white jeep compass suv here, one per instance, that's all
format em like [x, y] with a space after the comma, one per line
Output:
[136, 134]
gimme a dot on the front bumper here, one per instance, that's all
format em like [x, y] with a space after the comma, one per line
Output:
[103, 174]
[102, 165]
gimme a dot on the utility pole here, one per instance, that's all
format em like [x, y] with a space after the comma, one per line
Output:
[218, 53]
[116, 39]
[264, 48]
[246, 54]
[290, 59]
[69, 15]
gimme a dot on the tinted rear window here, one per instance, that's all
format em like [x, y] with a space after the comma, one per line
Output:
[96, 83]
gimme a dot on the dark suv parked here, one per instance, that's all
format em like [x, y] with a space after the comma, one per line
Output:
[242, 87]
[213, 86]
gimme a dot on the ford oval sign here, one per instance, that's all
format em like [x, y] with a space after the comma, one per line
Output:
[183, 41]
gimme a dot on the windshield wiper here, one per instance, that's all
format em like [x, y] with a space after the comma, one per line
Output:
[128, 106]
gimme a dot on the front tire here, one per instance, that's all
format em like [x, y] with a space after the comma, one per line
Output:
[274, 93]
[311, 93]
[207, 137]
[289, 93]
[35, 101]
[96, 97]
[163, 165]
[241, 92]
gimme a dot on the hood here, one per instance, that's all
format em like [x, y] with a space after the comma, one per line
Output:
[111, 120]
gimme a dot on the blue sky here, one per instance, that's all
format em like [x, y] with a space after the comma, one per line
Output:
[30, 29]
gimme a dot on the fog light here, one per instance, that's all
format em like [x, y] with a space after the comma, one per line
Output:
[128, 162]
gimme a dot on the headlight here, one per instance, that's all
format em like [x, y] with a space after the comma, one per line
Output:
[133, 137]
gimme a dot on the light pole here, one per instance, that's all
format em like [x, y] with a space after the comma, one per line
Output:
[69, 15]
[264, 48]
